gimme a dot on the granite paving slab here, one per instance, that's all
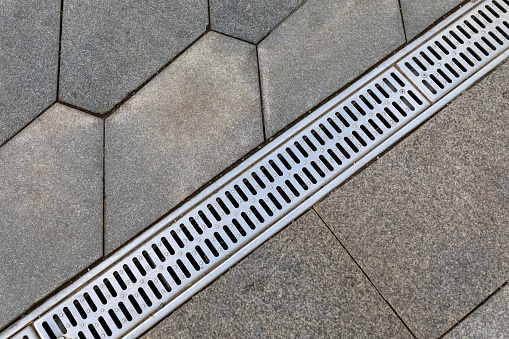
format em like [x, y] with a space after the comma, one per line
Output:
[249, 19]
[29, 32]
[419, 14]
[428, 220]
[50, 206]
[110, 48]
[491, 320]
[193, 120]
[301, 283]
[321, 47]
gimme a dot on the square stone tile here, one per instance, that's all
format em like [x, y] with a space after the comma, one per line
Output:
[193, 120]
[321, 47]
[428, 220]
[301, 283]
[250, 20]
[109, 48]
[419, 14]
[29, 32]
[51, 206]
[491, 320]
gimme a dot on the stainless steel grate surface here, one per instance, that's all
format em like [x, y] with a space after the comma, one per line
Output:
[184, 252]
[460, 50]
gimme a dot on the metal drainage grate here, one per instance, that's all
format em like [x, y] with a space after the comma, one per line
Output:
[165, 266]
[134, 288]
[460, 50]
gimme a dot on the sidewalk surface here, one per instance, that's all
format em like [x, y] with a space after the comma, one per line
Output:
[113, 112]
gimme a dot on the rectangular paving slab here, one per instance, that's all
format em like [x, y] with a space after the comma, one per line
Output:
[50, 206]
[491, 320]
[301, 283]
[193, 120]
[320, 48]
[419, 14]
[428, 220]
[29, 32]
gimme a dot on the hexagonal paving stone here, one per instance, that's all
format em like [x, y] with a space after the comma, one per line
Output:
[110, 48]
[50, 206]
[189, 123]
[29, 32]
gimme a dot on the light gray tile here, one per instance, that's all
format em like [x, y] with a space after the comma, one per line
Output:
[188, 124]
[428, 220]
[109, 48]
[250, 20]
[50, 206]
[324, 45]
[301, 283]
[491, 320]
[419, 14]
[29, 32]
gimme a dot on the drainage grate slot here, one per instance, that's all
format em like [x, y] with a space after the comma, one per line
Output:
[477, 40]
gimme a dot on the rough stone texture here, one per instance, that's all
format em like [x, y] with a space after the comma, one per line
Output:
[419, 14]
[491, 320]
[320, 48]
[50, 206]
[250, 20]
[428, 221]
[301, 283]
[28, 61]
[109, 48]
[188, 124]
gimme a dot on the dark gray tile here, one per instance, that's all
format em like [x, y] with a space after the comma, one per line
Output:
[29, 32]
[491, 320]
[189, 123]
[109, 48]
[50, 206]
[428, 220]
[320, 48]
[301, 283]
[419, 14]
[249, 19]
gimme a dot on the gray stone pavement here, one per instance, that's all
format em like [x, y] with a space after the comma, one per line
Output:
[301, 283]
[109, 48]
[201, 114]
[28, 61]
[491, 320]
[194, 119]
[50, 206]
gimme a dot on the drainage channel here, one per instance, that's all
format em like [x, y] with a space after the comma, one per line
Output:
[158, 271]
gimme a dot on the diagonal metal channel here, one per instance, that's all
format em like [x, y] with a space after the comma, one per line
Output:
[180, 255]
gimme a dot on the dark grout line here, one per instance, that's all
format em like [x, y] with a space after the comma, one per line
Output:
[101, 116]
[494, 293]
[281, 22]
[363, 272]
[261, 94]
[60, 47]
[133, 92]
[104, 188]
[402, 19]
[27, 124]
[233, 37]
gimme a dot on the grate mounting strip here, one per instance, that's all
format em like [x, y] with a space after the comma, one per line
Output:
[162, 268]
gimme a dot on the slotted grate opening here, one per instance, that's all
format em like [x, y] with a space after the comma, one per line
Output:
[464, 47]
